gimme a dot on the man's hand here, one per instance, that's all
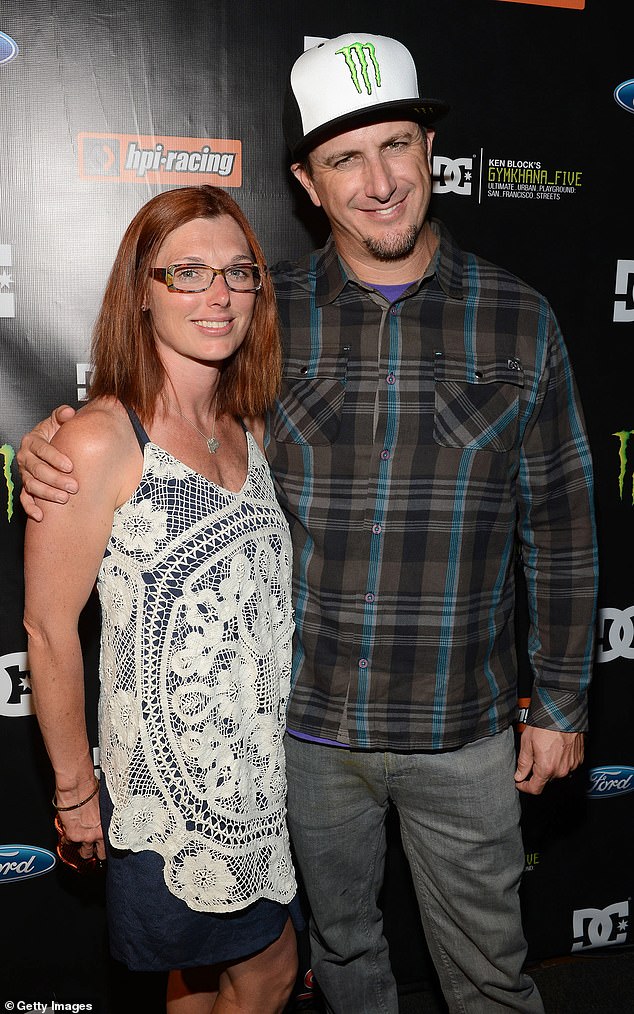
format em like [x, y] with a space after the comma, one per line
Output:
[45, 472]
[545, 754]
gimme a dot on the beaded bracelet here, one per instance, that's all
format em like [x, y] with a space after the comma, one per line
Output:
[75, 806]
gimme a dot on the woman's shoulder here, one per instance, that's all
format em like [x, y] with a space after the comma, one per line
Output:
[100, 427]
[101, 443]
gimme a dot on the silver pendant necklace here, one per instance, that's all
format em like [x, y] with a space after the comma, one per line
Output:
[212, 443]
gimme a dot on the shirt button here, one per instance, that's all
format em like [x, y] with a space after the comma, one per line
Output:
[391, 379]
[385, 454]
[363, 663]
[377, 529]
[393, 311]
[369, 597]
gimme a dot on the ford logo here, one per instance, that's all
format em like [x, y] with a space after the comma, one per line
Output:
[21, 862]
[611, 781]
[624, 95]
[8, 48]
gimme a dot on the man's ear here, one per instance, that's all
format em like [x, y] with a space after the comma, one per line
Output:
[431, 133]
[301, 173]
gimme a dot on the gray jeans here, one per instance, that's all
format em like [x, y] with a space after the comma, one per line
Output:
[459, 815]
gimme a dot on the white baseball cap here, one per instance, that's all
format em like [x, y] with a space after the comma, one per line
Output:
[354, 78]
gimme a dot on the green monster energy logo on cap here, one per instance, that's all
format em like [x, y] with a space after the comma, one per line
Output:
[8, 455]
[361, 48]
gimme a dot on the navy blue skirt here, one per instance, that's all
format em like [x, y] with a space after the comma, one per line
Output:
[151, 929]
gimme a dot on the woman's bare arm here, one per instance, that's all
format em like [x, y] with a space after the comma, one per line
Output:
[62, 558]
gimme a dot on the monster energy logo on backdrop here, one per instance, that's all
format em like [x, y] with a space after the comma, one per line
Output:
[361, 48]
[8, 455]
[623, 437]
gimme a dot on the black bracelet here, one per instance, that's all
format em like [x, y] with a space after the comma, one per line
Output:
[75, 806]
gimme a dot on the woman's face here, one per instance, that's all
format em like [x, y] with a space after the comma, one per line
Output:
[207, 326]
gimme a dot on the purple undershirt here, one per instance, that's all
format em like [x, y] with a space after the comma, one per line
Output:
[391, 292]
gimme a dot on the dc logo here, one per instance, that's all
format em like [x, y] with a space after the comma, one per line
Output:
[624, 308]
[596, 927]
[452, 176]
[84, 374]
[15, 685]
[615, 634]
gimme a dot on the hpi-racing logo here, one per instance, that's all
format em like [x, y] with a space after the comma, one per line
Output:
[359, 49]
[146, 158]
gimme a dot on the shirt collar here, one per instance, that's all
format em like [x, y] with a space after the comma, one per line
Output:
[447, 266]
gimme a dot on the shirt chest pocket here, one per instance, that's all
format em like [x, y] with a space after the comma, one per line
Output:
[310, 404]
[477, 404]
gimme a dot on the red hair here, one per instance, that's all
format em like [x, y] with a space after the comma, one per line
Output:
[126, 364]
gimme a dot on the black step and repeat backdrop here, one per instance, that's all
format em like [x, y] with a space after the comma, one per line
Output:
[105, 104]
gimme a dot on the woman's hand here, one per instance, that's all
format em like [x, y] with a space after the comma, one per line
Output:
[82, 825]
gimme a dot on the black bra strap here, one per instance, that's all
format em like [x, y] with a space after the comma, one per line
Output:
[141, 435]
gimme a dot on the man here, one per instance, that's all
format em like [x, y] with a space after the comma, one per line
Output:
[428, 427]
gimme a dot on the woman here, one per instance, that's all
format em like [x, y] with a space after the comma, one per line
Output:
[178, 523]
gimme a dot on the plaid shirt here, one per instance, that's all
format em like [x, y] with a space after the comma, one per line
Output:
[414, 447]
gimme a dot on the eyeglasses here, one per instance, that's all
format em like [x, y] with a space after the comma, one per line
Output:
[244, 277]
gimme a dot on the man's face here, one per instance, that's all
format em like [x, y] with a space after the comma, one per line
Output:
[374, 183]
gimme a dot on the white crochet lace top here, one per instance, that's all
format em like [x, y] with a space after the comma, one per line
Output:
[195, 668]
